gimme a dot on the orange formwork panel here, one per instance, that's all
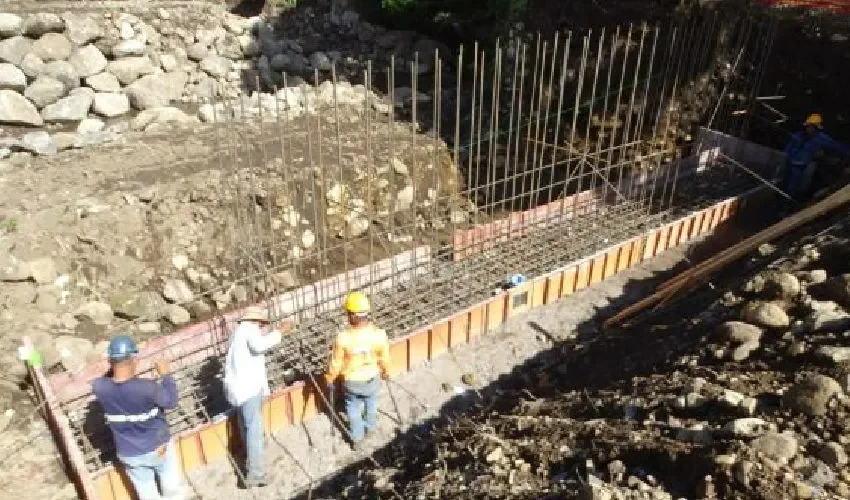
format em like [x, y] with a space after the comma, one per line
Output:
[676, 233]
[553, 288]
[438, 340]
[651, 242]
[583, 276]
[215, 439]
[568, 281]
[637, 251]
[708, 215]
[596, 268]
[113, 485]
[624, 259]
[191, 454]
[277, 412]
[520, 298]
[496, 312]
[477, 321]
[538, 291]
[399, 351]
[418, 348]
[611, 260]
[696, 224]
[303, 402]
[459, 329]
[663, 238]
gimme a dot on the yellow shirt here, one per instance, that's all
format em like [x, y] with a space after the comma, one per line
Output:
[360, 354]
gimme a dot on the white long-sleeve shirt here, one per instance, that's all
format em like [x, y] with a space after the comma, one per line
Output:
[245, 366]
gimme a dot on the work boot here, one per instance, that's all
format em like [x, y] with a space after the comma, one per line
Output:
[252, 483]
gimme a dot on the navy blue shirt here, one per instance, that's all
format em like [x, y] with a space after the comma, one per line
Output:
[135, 412]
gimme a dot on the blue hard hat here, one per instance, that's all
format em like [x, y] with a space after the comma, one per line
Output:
[122, 347]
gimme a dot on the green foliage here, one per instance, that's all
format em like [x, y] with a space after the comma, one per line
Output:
[8, 225]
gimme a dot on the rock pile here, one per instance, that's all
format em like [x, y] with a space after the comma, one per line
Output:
[88, 70]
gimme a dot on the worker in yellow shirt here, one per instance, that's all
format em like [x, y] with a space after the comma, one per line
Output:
[361, 355]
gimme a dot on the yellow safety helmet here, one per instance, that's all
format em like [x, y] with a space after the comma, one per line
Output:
[357, 303]
[814, 119]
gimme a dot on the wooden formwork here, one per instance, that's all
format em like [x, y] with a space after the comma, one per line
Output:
[293, 404]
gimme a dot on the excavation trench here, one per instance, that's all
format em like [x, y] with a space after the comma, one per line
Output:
[432, 302]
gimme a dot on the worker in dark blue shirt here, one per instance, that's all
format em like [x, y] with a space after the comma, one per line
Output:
[802, 153]
[135, 412]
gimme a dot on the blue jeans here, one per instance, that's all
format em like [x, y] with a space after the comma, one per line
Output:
[253, 435]
[360, 396]
[797, 179]
[145, 470]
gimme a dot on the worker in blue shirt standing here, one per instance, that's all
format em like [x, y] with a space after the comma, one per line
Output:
[135, 412]
[802, 153]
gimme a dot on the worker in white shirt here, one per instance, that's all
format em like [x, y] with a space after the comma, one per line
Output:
[246, 384]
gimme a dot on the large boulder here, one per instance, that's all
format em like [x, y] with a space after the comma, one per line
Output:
[98, 313]
[45, 90]
[780, 447]
[74, 352]
[129, 69]
[154, 91]
[128, 48]
[15, 109]
[87, 61]
[781, 285]
[52, 47]
[111, 104]
[73, 108]
[10, 25]
[766, 314]
[216, 66]
[32, 65]
[147, 305]
[64, 72]
[104, 82]
[82, 28]
[177, 291]
[13, 50]
[158, 116]
[44, 22]
[12, 78]
[811, 395]
[40, 143]
[739, 332]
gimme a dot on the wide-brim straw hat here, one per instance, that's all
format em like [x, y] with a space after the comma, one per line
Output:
[255, 313]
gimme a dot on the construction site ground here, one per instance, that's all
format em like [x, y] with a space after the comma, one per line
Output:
[301, 458]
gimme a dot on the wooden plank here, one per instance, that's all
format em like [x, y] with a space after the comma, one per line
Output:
[279, 416]
[399, 357]
[637, 251]
[675, 232]
[597, 266]
[189, 448]
[477, 321]
[538, 292]
[583, 276]
[553, 288]
[418, 352]
[625, 256]
[459, 329]
[568, 281]
[120, 485]
[496, 312]
[214, 440]
[649, 245]
[611, 260]
[663, 234]
[103, 487]
[439, 340]
[520, 298]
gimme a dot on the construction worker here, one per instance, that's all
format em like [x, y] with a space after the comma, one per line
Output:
[361, 355]
[135, 413]
[246, 384]
[802, 152]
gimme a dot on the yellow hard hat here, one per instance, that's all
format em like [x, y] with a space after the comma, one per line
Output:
[814, 119]
[357, 303]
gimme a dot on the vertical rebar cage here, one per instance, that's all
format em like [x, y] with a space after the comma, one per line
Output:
[563, 159]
